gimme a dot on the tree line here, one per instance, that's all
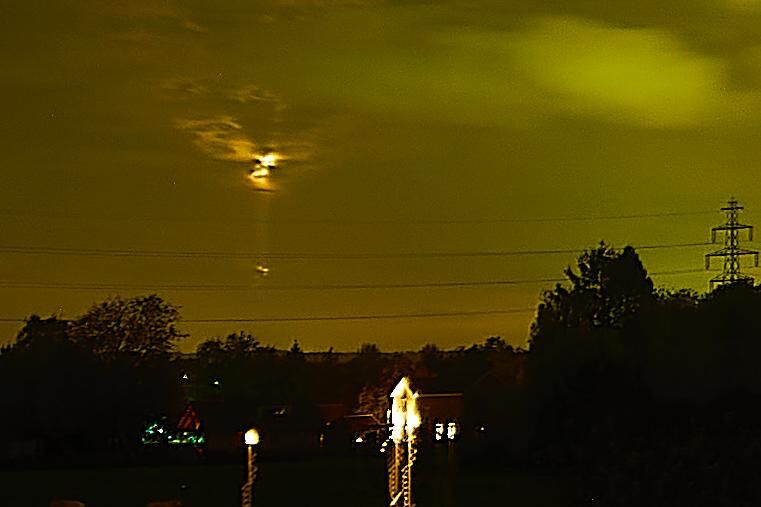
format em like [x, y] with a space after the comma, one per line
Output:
[88, 387]
[652, 396]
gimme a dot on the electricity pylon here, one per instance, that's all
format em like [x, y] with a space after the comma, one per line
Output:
[731, 251]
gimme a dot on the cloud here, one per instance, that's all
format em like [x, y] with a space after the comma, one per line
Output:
[143, 22]
[223, 138]
[220, 138]
[636, 75]
[182, 88]
[328, 3]
[747, 6]
[251, 93]
[539, 68]
[238, 122]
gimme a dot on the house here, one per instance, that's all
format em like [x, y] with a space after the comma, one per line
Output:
[441, 417]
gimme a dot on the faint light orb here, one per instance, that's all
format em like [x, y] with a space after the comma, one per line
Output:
[259, 172]
[262, 270]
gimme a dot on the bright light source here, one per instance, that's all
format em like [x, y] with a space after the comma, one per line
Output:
[451, 430]
[359, 440]
[185, 376]
[405, 420]
[262, 270]
[269, 160]
[439, 432]
[259, 172]
[251, 437]
[263, 165]
[405, 417]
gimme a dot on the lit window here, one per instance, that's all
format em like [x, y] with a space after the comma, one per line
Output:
[451, 430]
[439, 432]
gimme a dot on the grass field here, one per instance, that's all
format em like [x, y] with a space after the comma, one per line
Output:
[330, 482]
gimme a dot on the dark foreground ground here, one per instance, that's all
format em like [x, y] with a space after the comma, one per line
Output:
[331, 482]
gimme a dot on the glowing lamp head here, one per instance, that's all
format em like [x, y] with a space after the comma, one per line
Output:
[405, 418]
[251, 437]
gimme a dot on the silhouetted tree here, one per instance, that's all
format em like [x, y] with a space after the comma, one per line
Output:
[295, 350]
[133, 339]
[42, 333]
[49, 387]
[142, 327]
[586, 346]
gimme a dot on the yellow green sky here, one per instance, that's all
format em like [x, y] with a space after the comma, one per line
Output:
[401, 127]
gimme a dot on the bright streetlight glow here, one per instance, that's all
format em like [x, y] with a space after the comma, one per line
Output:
[251, 437]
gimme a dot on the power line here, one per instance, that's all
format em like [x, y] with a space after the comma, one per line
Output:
[6, 284]
[36, 250]
[242, 287]
[387, 316]
[327, 221]
[390, 316]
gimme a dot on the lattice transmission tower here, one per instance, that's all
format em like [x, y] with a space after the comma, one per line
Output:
[731, 251]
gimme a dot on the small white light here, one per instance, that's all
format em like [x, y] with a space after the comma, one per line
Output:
[359, 440]
[251, 437]
[439, 432]
[451, 430]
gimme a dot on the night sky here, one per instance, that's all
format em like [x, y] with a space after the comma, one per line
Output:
[393, 129]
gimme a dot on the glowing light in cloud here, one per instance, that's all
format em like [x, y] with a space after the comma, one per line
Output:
[263, 166]
[220, 138]
[268, 160]
[259, 172]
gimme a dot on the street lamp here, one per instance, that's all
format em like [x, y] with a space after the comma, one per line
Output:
[251, 439]
[405, 420]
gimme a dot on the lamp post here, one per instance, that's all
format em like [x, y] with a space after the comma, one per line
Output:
[405, 420]
[251, 439]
